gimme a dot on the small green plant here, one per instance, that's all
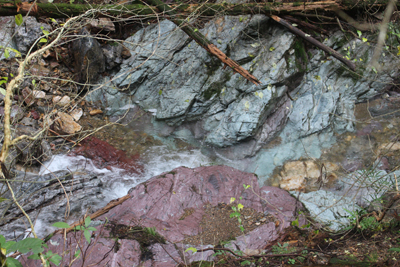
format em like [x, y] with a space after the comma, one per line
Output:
[86, 228]
[282, 249]
[34, 245]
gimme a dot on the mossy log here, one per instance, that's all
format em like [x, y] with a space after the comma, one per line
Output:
[63, 10]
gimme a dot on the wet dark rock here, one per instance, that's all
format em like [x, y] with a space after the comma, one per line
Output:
[89, 58]
[388, 106]
[104, 155]
[112, 54]
[161, 203]
[28, 33]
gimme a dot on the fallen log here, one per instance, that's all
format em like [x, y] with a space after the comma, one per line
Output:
[318, 44]
[62, 10]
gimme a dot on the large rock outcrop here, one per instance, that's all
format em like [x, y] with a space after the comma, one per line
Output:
[174, 204]
[305, 99]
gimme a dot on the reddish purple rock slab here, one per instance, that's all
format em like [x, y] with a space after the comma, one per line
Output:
[105, 155]
[102, 251]
[161, 202]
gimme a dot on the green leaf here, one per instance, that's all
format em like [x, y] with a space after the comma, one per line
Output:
[195, 30]
[8, 244]
[56, 259]
[87, 235]
[232, 199]
[271, 48]
[359, 33]
[295, 222]
[255, 45]
[92, 229]
[160, 92]
[79, 228]
[11, 262]
[34, 257]
[246, 262]
[30, 243]
[394, 249]
[62, 225]
[240, 206]
[234, 214]
[364, 39]
[17, 54]
[317, 77]
[77, 253]
[43, 40]
[19, 19]
[241, 228]
[45, 32]
[240, 19]
[6, 53]
[88, 220]
[194, 250]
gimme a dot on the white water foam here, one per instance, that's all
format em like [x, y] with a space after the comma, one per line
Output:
[155, 160]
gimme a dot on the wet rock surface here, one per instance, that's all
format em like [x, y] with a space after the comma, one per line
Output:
[163, 203]
[58, 193]
[89, 58]
[104, 155]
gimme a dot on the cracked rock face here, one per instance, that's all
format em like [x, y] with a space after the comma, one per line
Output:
[44, 198]
[303, 93]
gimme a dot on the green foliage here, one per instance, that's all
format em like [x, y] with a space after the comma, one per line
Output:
[34, 245]
[61, 225]
[86, 229]
[151, 231]
[194, 250]
[282, 249]
[19, 19]
[7, 51]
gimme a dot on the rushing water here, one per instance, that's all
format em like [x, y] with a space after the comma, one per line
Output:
[156, 160]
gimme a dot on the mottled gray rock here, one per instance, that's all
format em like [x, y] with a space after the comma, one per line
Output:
[234, 111]
[106, 93]
[365, 186]
[6, 32]
[28, 33]
[44, 198]
[89, 58]
[328, 208]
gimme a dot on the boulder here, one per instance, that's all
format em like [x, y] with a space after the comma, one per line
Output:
[89, 58]
[26, 34]
[174, 204]
[66, 124]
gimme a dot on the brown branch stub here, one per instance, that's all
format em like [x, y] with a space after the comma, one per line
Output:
[234, 65]
[98, 213]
